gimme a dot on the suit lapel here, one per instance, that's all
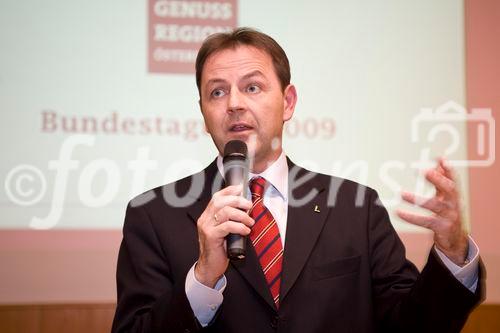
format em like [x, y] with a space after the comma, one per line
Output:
[209, 173]
[249, 268]
[304, 224]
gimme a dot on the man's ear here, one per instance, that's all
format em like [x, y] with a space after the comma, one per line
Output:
[290, 100]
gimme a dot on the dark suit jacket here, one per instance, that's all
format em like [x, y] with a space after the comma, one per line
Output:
[344, 269]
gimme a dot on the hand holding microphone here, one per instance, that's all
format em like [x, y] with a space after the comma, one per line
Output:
[225, 214]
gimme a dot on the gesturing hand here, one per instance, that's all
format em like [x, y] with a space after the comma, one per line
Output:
[446, 222]
[224, 214]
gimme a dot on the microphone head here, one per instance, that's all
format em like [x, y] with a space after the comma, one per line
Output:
[235, 149]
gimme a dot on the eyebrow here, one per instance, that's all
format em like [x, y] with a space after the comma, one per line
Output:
[212, 81]
[252, 74]
[245, 77]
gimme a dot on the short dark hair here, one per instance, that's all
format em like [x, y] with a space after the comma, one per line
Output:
[249, 37]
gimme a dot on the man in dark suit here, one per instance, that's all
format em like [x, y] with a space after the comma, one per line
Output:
[322, 255]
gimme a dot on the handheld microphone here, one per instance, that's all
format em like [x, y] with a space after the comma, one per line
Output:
[235, 173]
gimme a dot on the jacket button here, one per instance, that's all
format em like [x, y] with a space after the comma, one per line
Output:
[274, 322]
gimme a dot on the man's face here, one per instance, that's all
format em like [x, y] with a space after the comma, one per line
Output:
[241, 98]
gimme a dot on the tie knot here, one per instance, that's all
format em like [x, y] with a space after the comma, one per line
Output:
[257, 186]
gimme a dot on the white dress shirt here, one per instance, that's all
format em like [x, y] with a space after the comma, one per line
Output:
[205, 301]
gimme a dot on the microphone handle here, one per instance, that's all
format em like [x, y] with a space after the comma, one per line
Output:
[236, 249]
[235, 170]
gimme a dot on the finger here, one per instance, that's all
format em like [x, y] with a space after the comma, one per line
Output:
[439, 169]
[449, 172]
[231, 227]
[442, 183]
[433, 204]
[420, 220]
[230, 190]
[233, 214]
[239, 202]
[444, 209]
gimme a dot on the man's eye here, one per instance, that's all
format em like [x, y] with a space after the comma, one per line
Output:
[218, 93]
[253, 89]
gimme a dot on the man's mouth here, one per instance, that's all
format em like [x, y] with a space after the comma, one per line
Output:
[240, 127]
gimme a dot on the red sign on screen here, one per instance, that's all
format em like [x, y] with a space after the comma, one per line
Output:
[178, 27]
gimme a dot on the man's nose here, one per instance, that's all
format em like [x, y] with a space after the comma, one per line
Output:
[235, 101]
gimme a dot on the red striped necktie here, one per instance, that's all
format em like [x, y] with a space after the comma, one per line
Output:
[266, 239]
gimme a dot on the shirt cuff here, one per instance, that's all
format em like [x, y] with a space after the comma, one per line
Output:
[204, 300]
[467, 274]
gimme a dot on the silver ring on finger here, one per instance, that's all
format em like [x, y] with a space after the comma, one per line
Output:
[216, 219]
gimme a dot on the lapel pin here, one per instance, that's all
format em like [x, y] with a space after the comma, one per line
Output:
[316, 209]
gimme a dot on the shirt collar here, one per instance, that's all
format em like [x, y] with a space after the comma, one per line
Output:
[276, 174]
